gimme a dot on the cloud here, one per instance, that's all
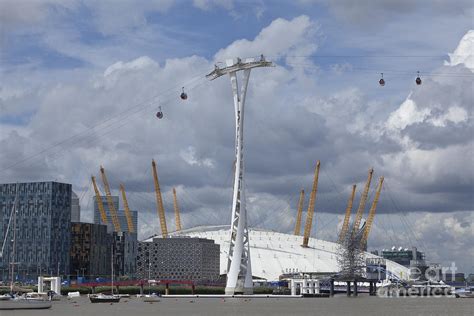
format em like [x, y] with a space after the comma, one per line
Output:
[208, 4]
[281, 37]
[463, 53]
[366, 12]
[18, 14]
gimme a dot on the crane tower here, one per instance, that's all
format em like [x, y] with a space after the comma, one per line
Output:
[239, 269]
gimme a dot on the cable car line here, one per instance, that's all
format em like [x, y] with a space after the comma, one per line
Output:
[97, 126]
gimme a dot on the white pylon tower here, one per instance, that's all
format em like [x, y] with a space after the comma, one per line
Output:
[239, 268]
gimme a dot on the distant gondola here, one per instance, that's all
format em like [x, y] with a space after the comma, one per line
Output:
[183, 95]
[418, 79]
[159, 114]
[381, 81]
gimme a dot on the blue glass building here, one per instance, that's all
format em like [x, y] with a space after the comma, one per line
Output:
[43, 229]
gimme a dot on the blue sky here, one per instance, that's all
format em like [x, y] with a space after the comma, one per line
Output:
[81, 82]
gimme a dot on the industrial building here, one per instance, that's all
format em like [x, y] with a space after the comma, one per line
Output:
[178, 258]
[43, 228]
[274, 253]
[90, 250]
[404, 256]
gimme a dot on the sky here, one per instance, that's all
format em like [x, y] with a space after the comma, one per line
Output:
[81, 82]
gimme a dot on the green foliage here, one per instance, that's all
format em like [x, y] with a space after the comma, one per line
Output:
[262, 290]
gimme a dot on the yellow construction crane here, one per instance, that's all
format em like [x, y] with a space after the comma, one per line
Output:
[128, 214]
[300, 214]
[312, 200]
[347, 217]
[176, 211]
[370, 218]
[159, 202]
[110, 202]
[363, 200]
[98, 199]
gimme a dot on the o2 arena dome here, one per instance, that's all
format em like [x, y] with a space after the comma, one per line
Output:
[273, 253]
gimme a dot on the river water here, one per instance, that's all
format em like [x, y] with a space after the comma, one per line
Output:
[338, 305]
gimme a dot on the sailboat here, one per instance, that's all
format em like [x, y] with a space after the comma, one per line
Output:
[107, 298]
[11, 301]
[150, 297]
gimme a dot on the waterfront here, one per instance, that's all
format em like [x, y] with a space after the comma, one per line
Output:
[339, 305]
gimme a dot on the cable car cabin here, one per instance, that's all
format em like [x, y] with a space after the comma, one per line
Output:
[183, 95]
[381, 81]
[418, 79]
[159, 115]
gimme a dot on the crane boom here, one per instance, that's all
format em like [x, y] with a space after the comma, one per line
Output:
[312, 200]
[128, 214]
[300, 214]
[370, 218]
[176, 211]
[363, 200]
[98, 198]
[110, 203]
[347, 217]
[159, 202]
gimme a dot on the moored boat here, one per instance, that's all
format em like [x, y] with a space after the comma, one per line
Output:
[107, 298]
[104, 298]
[467, 292]
[23, 303]
[151, 298]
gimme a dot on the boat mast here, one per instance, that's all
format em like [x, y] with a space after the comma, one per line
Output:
[12, 263]
[149, 272]
[112, 264]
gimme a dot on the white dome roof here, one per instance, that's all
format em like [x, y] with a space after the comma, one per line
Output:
[273, 253]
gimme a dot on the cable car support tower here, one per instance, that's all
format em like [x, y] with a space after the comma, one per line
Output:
[239, 269]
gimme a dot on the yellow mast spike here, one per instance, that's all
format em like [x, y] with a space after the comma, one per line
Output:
[159, 202]
[176, 211]
[370, 218]
[299, 214]
[347, 217]
[312, 200]
[128, 214]
[363, 200]
[110, 202]
[98, 198]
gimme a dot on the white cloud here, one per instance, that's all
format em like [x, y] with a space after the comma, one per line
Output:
[189, 156]
[281, 37]
[208, 4]
[455, 114]
[407, 114]
[464, 53]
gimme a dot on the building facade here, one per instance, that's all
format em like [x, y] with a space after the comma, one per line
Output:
[43, 228]
[405, 257]
[90, 251]
[75, 208]
[120, 213]
[125, 249]
[178, 258]
[125, 244]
